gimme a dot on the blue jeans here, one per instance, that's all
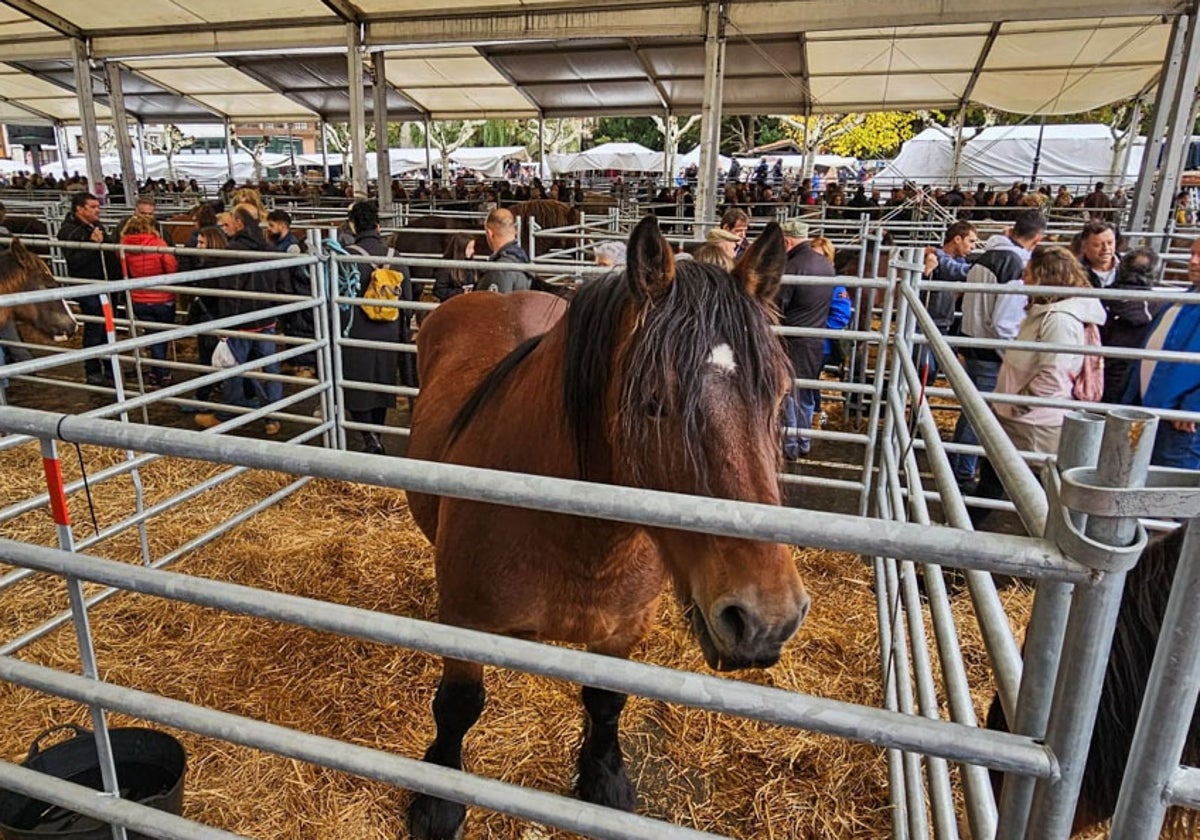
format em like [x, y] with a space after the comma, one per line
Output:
[1173, 448]
[983, 373]
[161, 313]
[94, 334]
[244, 350]
[798, 410]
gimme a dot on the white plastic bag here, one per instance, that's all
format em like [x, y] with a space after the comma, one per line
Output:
[223, 357]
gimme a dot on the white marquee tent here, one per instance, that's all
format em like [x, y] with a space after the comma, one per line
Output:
[622, 157]
[1074, 154]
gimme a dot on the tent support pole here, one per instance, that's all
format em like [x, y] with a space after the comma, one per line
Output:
[358, 112]
[229, 147]
[87, 115]
[542, 173]
[324, 149]
[60, 142]
[428, 157]
[383, 179]
[1168, 81]
[116, 102]
[1179, 131]
[710, 116]
[1131, 135]
[139, 129]
[958, 145]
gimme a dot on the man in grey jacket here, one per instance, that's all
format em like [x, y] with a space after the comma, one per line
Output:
[501, 232]
[993, 316]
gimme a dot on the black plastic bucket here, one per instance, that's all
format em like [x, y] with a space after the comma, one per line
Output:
[150, 770]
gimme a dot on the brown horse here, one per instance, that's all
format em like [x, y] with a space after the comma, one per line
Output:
[23, 271]
[666, 376]
[548, 213]
[1143, 606]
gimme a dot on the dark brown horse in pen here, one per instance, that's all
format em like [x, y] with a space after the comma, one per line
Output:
[1143, 605]
[23, 271]
[666, 376]
[549, 214]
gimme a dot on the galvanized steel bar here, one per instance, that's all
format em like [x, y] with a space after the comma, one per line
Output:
[1126, 444]
[79, 619]
[116, 104]
[581, 817]
[1079, 445]
[859, 723]
[144, 819]
[1002, 648]
[1000, 553]
[889, 302]
[1170, 702]
[980, 804]
[1021, 485]
[1183, 788]
[46, 628]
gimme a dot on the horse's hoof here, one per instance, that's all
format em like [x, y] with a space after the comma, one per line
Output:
[430, 818]
[605, 785]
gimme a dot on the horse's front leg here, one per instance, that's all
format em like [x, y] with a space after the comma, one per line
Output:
[602, 776]
[456, 706]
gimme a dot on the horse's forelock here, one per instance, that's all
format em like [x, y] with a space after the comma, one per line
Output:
[664, 359]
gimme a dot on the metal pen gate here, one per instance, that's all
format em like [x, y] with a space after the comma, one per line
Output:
[1078, 569]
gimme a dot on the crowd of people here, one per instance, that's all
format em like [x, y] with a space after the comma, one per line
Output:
[239, 222]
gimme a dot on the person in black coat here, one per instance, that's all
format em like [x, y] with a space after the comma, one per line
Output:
[1128, 320]
[82, 224]
[804, 306]
[368, 364]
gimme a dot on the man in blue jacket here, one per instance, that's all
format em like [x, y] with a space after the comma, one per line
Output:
[1174, 385]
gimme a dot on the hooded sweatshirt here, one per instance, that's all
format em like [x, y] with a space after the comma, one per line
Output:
[988, 315]
[1046, 373]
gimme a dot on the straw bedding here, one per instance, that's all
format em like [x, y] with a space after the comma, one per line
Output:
[357, 545]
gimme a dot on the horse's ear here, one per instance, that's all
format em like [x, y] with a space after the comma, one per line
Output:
[761, 268]
[650, 265]
[18, 248]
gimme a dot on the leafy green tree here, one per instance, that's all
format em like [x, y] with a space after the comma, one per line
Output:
[627, 130]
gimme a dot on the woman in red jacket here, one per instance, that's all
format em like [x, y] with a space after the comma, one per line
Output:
[150, 304]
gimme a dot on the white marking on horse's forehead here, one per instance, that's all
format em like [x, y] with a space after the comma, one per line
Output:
[722, 357]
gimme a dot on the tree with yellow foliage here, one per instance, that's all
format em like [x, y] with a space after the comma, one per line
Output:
[870, 135]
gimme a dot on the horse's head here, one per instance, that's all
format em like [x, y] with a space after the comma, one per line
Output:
[23, 271]
[691, 384]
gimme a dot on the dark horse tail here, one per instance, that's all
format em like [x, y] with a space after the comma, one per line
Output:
[1143, 605]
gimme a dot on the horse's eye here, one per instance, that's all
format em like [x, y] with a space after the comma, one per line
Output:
[656, 409]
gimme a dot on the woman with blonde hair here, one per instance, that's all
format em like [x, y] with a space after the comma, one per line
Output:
[249, 195]
[1053, 374]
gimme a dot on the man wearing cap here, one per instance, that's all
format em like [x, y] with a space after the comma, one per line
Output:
[804, 306]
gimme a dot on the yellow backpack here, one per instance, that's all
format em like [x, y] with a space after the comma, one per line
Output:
[385, 284]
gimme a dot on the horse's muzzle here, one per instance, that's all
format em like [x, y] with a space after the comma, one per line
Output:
[734, 637]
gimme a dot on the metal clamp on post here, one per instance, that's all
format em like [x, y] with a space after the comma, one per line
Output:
[1071, 540]
[1168, 493]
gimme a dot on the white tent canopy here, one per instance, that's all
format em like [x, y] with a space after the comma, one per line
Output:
[796, 162]
[1003, 154]
[489, 161]
[622, 157]
[683, 161]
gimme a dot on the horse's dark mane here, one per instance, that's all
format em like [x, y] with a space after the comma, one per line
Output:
[13, 270]
[490, 384]
[664, 361]
[1139, 624]
[1143, 606]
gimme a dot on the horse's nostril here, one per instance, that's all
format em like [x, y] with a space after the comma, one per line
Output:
[733, 621]
[802, 609]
